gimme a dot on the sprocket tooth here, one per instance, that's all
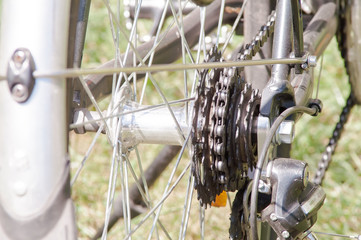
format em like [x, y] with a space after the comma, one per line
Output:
[225, 108]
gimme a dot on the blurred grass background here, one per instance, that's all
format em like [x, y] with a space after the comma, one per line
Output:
[341, 212]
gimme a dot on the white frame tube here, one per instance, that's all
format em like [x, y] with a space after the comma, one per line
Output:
[33, 135]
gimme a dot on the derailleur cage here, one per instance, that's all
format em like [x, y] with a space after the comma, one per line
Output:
[295, 201]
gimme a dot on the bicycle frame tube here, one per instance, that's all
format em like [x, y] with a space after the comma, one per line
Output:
[34, 181]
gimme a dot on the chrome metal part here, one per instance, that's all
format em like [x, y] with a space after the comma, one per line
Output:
[311, 62]
[85, 120]
[264, 187]
[19, 92]
[285, 132]
[314, 202]
[20, 74]
[263, 126]
[152, 126]
[285, 234]
[282, 42]
[295, 201]
[273, 217]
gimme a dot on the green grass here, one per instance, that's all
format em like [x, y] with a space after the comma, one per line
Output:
[341, 212]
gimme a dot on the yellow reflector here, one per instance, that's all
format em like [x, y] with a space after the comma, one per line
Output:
[221, 200]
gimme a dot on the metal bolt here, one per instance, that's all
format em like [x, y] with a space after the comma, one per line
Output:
[19, 56]
[285, 132]
[264, 187]
[273, 217]
[285, 234]
[312, 61]
[19, 92]
[304, 66]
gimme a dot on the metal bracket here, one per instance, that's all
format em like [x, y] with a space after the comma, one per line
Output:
[20, 74]
[295, 201]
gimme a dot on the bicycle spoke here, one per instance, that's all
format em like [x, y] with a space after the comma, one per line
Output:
[202, 214]
[87, 154]
[338, 235]
[90, 95]
[184, 40]
[187, 207]
[230, 35]
[170, 179]
[162, 200]
[153, 48]
[155, 84]
[185, 73]
[144, 193]
[125, 188]
[196, 74]
[111, 189]
[220, 19]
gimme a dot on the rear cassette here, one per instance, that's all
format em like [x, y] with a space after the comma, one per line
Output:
[223, 145]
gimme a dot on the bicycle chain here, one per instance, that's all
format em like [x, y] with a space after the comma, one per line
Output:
[223, 146]
[326, 158]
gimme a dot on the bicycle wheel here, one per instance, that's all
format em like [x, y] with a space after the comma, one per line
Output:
[204, 197]
[348, 36]
[195, 29]
[127, 119]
